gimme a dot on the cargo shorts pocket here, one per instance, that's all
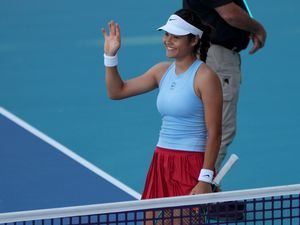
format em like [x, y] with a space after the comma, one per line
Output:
[227, 87]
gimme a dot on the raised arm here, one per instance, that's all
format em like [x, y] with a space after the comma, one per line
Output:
[116, 87]
[235, 16]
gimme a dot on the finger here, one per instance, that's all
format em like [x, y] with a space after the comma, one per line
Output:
[261, 38]
[253, 50]
[262, 42]
[104, 32]
[256, 45]
[112, 28]
[118, 32]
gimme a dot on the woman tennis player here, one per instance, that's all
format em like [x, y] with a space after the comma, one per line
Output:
[189, 101]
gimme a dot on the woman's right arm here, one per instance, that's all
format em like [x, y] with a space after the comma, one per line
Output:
[119, 89]
[116, 87]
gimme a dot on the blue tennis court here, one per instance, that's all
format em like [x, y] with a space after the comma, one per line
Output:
[38, 173]
[52, 79]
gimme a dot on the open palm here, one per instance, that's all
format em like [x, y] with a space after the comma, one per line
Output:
[112, 40]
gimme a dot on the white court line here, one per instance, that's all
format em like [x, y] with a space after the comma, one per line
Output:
[70, 153]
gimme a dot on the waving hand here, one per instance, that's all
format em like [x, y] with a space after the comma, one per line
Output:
[112, 40]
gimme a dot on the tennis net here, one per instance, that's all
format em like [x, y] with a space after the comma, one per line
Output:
[271, 205]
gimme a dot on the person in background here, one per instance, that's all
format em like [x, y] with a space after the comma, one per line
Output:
[233, 29]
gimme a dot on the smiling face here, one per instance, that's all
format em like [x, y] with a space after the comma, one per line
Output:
[178, 47]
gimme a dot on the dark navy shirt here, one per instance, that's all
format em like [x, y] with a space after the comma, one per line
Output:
[224, 34]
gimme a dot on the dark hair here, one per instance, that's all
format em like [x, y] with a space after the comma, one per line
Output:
[192, 18]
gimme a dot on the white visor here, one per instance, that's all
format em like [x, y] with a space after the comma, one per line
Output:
[178, 26]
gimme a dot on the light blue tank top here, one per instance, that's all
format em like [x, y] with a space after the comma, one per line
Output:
[183, 126]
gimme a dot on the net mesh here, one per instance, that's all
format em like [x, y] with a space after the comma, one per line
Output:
[276, 205]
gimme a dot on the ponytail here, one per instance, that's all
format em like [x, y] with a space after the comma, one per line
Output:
[204, 46]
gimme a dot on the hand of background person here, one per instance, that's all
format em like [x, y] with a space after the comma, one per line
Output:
[112, 40]
[258, 40]
[201, 188]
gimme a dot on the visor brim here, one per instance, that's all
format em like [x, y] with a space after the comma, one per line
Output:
[173, 30]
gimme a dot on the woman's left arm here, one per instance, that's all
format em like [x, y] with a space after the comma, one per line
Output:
[209, 89]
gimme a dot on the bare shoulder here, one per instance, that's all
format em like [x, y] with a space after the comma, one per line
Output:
[205, 72]
[206, 79]
[159, 69]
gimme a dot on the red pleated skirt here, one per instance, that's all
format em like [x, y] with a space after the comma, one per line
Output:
[172, 173]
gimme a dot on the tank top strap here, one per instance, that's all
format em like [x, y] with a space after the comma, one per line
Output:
[194, 67]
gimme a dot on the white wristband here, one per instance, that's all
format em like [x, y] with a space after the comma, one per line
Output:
[110, 61]
[206, 175]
